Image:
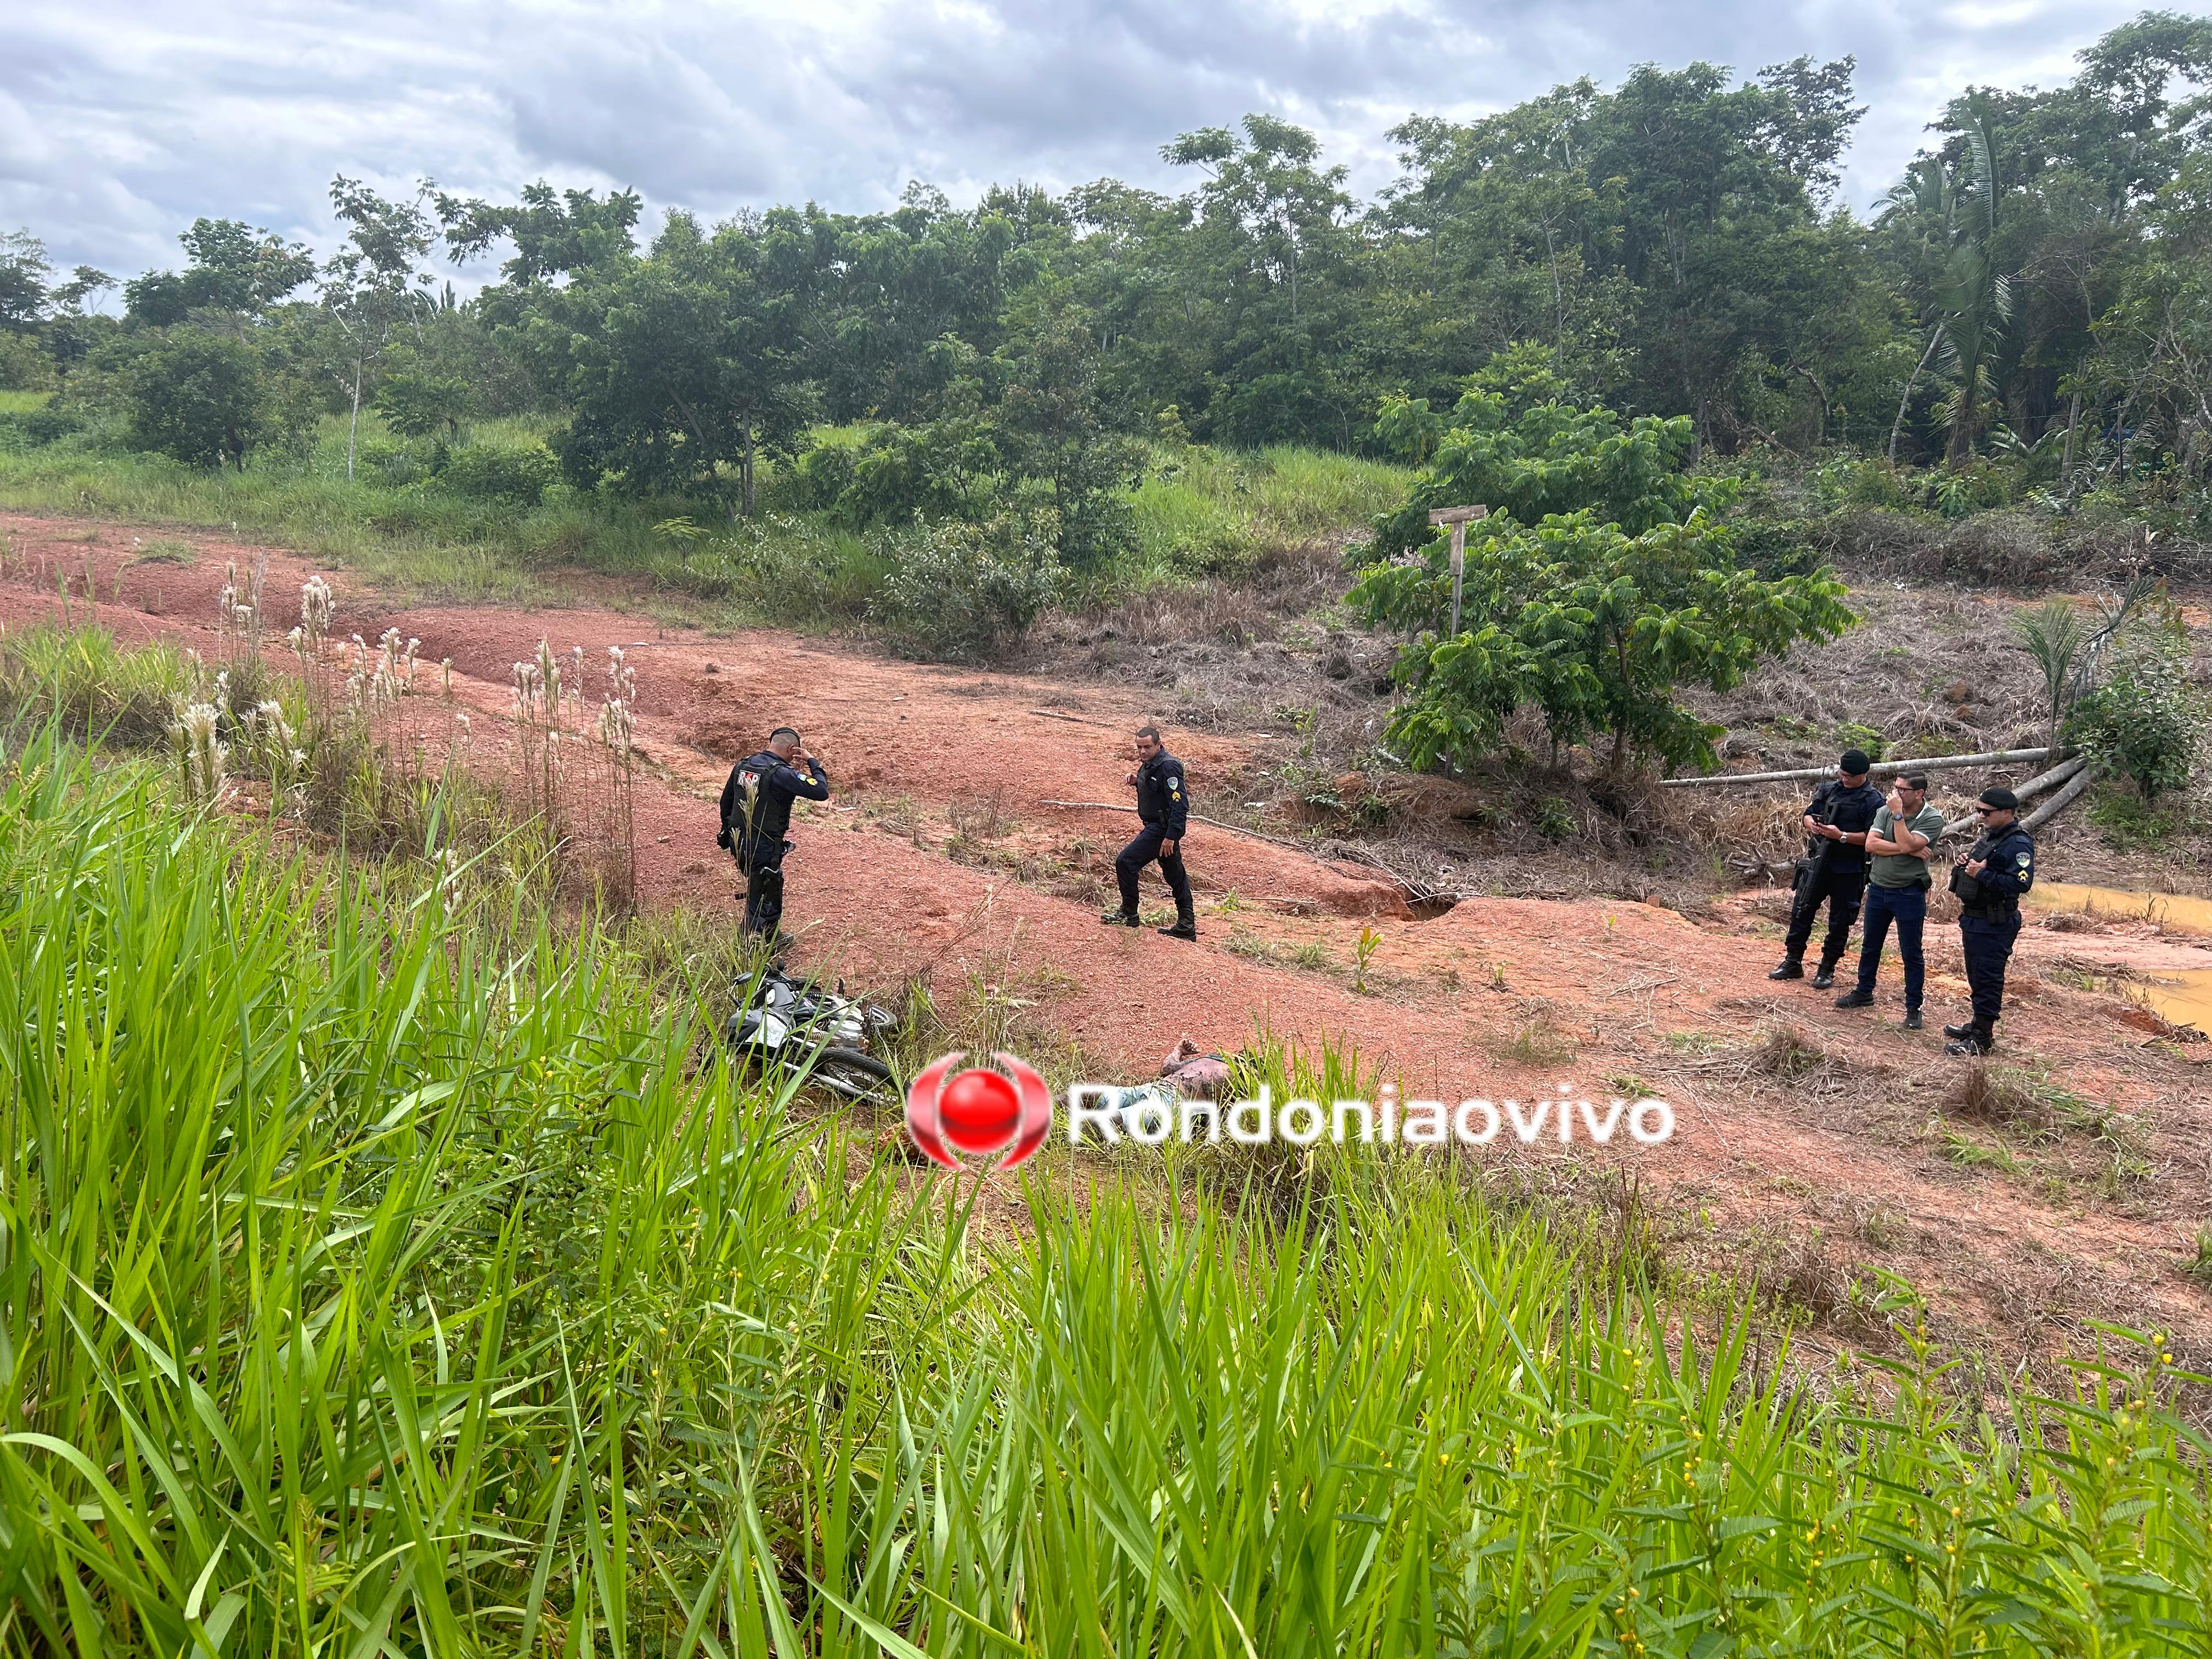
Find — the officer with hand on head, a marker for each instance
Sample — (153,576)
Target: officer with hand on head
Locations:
(1834,869)
(1163,808)
(755,812)
(1998,869)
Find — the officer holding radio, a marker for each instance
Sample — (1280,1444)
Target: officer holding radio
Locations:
(1988,882)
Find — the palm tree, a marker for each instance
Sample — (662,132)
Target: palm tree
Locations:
(1950,217)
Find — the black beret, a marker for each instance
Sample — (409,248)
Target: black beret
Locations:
(1855,762)
(2000,797)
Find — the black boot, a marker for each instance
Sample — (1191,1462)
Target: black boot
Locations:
(1964,1027)
(1825,975)
(1790,969)
(1186,925)
(1120,918)
(1856,998)
(1911,1019)
(1980,1040)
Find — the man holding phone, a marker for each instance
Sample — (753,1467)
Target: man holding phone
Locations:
(755,812)
(1897,845)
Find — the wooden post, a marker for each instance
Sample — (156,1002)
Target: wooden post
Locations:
(1458,519)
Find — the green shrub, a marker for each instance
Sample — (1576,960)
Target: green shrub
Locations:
(519,475)
(2129,823)
(198,397)
(23,365)
(2143,723)
(1773,548)
(34,428)
(419,404)
(1853,735)
(1859,481)
(782,568)
(391,461)
(1555,819)
(966,590)
(822,474)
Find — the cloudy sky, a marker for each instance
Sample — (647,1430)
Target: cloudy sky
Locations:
(120,120)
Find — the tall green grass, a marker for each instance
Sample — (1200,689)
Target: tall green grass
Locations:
(377,1279)
(1205,511)
(417,539)
(1199,511)
(22,403)
(80,678)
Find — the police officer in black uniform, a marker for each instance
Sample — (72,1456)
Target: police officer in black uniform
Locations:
(1163,807)
(755,812)
(1998,869)
(1834,868)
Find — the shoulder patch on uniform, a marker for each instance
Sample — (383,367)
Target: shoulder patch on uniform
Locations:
(2023,859)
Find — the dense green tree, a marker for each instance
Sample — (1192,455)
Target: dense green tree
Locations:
(234,268)
(1054,429)
(1591,625)
(894,285)
(1550,458)
(1602,581)
(1669,239)
(1267,273)
(418,403)
(686,361)
(23,273)
(1947,220)
(198,396)
(551,235)
(1022,436)
(2064,178)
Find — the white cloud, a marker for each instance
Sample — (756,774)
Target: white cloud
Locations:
(122,120)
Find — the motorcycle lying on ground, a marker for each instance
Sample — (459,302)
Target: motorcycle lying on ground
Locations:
(797,1026)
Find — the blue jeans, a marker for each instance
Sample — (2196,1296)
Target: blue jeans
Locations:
(1908,907)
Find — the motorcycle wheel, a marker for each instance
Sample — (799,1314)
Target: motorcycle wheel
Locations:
(849,1073)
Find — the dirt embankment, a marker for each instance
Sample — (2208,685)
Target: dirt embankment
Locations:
(1820,1140)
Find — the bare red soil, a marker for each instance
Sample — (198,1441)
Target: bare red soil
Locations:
(1843,1130)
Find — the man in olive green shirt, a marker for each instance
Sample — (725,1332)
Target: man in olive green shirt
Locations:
(1897,890)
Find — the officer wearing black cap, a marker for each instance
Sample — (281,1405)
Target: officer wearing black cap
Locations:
(1998,869)
(1834,869)
(757,810)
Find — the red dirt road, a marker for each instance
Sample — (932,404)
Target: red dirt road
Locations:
(1496,998)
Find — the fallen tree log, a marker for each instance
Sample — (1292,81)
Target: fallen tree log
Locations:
(1880,769)
(2034,786)
(2059,802)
